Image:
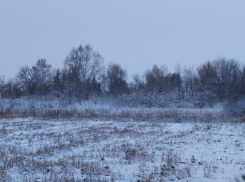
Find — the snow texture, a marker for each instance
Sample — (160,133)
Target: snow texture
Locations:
(100,150)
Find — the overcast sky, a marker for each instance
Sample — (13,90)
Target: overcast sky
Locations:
(134,33)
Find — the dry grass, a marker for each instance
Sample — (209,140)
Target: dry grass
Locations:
(173,115)
(84,150)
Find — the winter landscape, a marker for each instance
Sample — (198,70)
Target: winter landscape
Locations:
(89,123)
(142,145)
(159,97)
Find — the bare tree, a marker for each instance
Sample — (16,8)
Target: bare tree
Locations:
(242,82)
(138,83)
(228,76)
(116,77)
(83,67)
(2,89)
(179,73)
(207,85)
(189,82)
(57,82)
(43,77)
(35,80)
(25,79)
(157,79)
(86,62)
(12,90)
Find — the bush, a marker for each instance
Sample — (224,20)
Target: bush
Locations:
(235,107)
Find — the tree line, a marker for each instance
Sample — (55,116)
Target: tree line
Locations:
(84,75)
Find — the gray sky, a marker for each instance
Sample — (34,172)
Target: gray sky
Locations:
(134,33)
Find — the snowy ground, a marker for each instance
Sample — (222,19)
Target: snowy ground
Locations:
(90,150)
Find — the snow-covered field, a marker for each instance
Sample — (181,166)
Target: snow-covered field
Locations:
(112,150)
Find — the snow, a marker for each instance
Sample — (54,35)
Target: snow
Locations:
(113,150)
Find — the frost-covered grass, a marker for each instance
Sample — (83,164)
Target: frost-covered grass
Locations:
(121,150)
(42,108)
